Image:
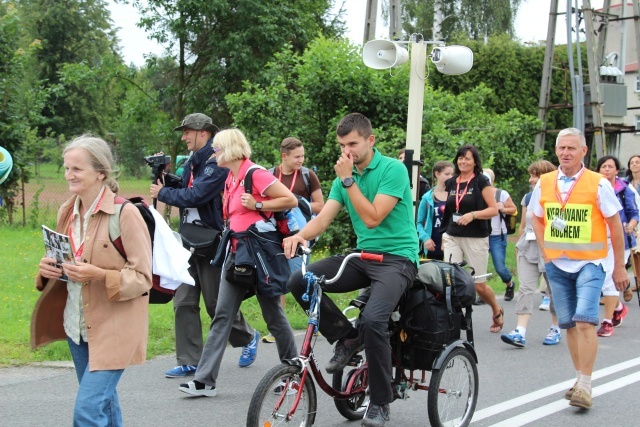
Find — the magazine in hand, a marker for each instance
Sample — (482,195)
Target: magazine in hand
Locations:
(58,246)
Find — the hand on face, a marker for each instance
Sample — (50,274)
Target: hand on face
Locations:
(344,166)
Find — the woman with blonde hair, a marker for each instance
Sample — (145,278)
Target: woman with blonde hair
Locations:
(248,213)
(530,268)
(102,311)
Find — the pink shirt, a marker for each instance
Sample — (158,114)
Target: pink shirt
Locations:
(240,218)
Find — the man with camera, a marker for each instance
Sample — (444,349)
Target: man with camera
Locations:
(198,196)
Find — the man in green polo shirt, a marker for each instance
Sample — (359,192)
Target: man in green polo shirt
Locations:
(375,191)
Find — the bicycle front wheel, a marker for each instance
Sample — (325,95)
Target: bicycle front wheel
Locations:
(453,390)
(273,399)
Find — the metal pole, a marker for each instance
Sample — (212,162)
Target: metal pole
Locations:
(370,18)
(415,108)
(594,82)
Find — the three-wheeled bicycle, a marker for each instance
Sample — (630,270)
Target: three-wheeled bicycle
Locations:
(286,395)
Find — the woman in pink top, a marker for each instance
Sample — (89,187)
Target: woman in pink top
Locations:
(247,214)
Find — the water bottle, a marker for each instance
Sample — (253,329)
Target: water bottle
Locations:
(292,222)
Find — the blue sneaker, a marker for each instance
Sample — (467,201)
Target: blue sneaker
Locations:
(249,352)
(181,371)
(514,338)
(553,337)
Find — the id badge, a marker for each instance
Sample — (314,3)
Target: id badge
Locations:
(456,217)
(559,224)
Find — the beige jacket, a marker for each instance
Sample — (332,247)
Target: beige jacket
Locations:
(116,310)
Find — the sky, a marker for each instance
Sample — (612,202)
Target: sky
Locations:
(531,25)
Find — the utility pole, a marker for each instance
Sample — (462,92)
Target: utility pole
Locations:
(395,20)
(370,19)
(545,86)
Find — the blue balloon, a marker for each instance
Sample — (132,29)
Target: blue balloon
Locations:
(6,164)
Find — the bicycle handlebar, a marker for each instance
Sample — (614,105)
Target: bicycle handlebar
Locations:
(365,256)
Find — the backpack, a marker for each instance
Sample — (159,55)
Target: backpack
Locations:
(509,220)
(305,177)
(288,222)
(157,294)
(441,277)
(426,327)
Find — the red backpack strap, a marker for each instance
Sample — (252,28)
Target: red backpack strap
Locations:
(114,225)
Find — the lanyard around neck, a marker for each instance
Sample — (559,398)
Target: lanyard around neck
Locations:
(458,196)
(293,181)
(564,202)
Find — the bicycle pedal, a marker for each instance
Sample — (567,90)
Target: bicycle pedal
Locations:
(356,360)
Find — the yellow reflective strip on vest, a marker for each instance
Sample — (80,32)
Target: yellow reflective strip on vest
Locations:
(564,246)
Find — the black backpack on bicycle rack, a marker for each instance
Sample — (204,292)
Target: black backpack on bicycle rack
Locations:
(432,316)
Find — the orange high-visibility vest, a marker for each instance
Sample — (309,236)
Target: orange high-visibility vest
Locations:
(585,235)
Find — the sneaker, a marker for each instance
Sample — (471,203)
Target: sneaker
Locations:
(627,294)
(570,392)
(553,337)
(545,305)
(196,388)
(344,350)
(181,371)
(249,351)
(270,339)
(509,292)
(514,338)
(581,399)
(376,415)
(478,301)
(606,329)
(292,389)
(618,316)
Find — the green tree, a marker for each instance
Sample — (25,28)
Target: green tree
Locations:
(73,32)
(308,93)
(475,19)
(220,43)
(21,98)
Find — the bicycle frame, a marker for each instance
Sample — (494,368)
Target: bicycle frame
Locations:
(307,359)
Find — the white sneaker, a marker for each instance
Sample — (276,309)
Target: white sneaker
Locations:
(545,305)
(292,389)
(196,388)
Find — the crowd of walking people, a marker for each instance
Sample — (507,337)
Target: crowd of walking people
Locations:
(576,234)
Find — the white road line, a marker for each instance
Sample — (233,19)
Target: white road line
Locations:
(557,406)
(547,391)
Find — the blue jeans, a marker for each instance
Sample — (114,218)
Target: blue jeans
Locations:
(498,251)
(97,400)
(576,296)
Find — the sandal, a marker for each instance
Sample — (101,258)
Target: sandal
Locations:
(497,326)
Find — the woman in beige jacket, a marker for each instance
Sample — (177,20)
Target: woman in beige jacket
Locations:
(102,311)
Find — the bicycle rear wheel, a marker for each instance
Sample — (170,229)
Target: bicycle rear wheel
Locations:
(453,390)
(275,395)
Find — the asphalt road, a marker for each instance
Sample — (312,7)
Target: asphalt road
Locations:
(517,386)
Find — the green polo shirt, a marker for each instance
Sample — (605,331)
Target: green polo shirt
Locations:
(396,234)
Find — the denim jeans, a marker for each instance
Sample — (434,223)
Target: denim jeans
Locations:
(576,296)
(97,400)
(498,250)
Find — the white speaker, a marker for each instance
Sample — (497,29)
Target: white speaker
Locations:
(452,60)
(383,54)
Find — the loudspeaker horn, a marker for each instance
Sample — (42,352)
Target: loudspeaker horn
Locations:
(383,54)
(452,60)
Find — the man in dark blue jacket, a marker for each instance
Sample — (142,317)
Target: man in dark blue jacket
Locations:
(199,199)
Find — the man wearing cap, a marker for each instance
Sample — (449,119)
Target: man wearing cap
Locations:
(199,199)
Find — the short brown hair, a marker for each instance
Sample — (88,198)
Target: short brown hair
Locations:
(541,167)
(355,122)
(289,144)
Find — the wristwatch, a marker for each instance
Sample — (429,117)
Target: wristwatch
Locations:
(258,206)
(348,182)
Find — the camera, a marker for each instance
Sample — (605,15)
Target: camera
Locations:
(158,164)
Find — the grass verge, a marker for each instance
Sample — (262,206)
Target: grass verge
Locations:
(22,248)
